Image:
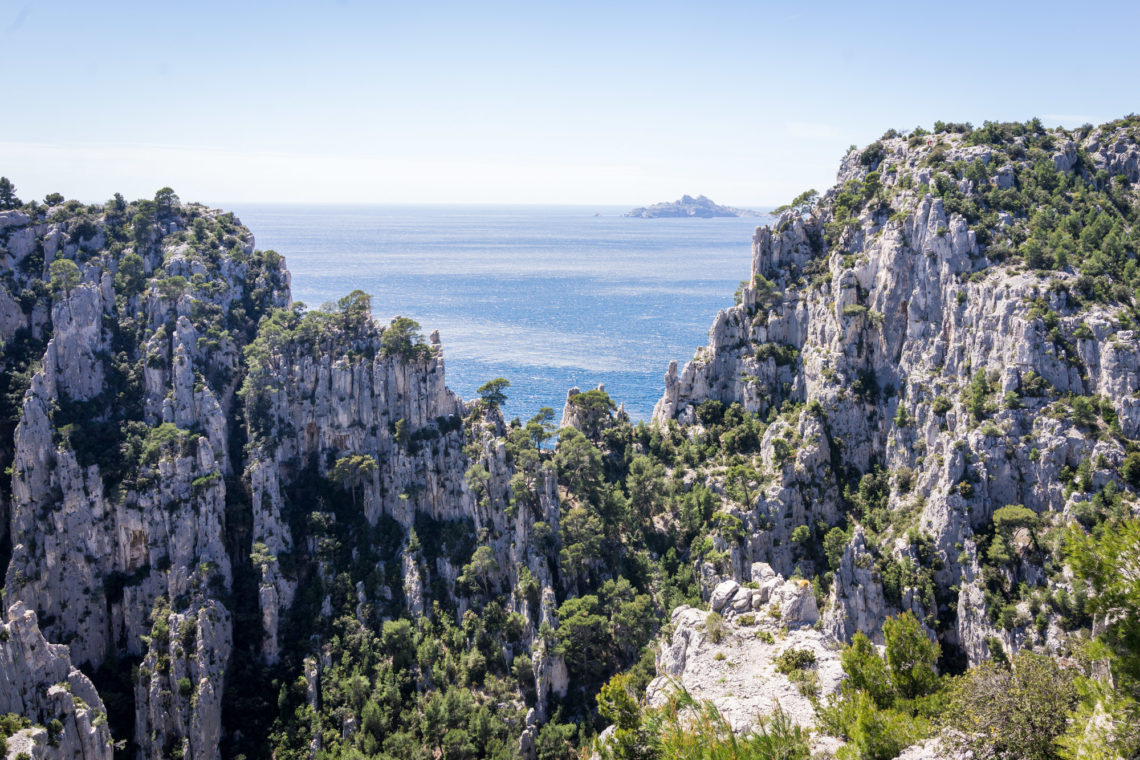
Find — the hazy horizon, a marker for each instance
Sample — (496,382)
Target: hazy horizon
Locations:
(749,103)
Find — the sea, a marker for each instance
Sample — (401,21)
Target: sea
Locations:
(548,297)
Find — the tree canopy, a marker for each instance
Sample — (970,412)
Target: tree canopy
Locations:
(8,199)
(64,275)
(493,392)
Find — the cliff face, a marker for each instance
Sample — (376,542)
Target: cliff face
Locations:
(163,441)
(41,684)
(934,363)
(368,408)
(122,450)
(272,532)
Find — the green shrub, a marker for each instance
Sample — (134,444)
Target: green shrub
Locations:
(715,629)
(911,656)
(882,734)
(866,670)
(1012,713)
(794,659)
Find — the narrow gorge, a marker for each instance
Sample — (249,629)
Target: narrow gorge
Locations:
(233,526)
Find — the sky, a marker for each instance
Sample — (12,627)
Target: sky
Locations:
(607,103)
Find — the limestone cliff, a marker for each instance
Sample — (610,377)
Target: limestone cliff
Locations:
(176,425)
(929,373)
(122,450)
(40,684)
(267,531)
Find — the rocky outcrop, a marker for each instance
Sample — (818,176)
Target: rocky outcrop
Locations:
(217,486)
(40,684)
(122,449)
(181,680)
(856,604)
(880,309)
(407,454)
(728,655)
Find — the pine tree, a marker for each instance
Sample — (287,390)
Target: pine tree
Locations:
(8,199)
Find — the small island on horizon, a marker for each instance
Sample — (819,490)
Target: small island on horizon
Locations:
(700,206)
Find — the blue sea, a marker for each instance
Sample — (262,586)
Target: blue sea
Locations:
(549,297)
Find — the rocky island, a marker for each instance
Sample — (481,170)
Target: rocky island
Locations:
(891,508)
(700,207)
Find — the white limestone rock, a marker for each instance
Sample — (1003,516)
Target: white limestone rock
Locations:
(40,683)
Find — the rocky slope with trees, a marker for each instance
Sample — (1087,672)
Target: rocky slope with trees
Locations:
(897,487)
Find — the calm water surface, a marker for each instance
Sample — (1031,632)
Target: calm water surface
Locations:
(547,297)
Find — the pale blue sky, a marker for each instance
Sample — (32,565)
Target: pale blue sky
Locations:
(582,102)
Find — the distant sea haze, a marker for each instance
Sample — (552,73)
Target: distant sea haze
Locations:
(549,297)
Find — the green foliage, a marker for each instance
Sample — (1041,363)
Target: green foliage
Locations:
(801,204)
(1106,560)
(8,199)
(493,392)
(401,338)
(977,396)
(579,463)
(715,629)
(742,484)
(173,288)
(1009,518)
(684,728)
(1130,469)
(11,723)
(166,440)
(1105,726)
(782,354)
(64,276)
(618,705)
(352,471)
(873,154)
(597,632)
(794,659)
(886,703)
(130,279)
(834,544)
(593,408)
(166,203)
(911,656)
(1012,713)
(866,671)
(481,567)
(876,734)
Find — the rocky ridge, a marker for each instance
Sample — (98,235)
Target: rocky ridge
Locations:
(295,539)
(731,661)
(167,443)
(925,361)
(121,454)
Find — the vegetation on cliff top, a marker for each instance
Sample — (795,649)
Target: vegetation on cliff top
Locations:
(643,510)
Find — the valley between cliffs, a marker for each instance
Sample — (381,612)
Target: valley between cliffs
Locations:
(234,527)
